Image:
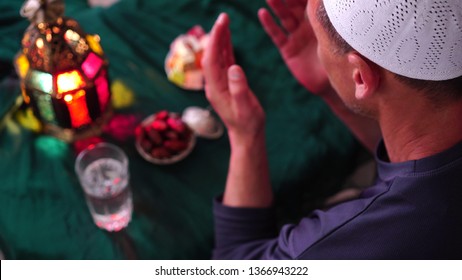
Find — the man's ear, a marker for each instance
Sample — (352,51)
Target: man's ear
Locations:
(365,75)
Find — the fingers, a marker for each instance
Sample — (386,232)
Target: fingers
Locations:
(270,26)
(218,56)
(283,11)
(298,8)
(224,47)
(228,52)
(243,102)
(296,3)
(237,83)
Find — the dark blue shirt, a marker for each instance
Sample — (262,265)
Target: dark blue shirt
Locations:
(414,211)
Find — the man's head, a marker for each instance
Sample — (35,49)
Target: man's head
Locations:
(419,41)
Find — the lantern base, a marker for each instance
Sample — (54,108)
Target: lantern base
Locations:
(71,135)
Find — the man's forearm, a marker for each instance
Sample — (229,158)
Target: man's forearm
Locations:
(248,182)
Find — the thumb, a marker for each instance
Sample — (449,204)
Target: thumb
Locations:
(237,83)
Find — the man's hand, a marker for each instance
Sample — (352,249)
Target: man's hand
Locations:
(247,184)
(296,42)
(227,89)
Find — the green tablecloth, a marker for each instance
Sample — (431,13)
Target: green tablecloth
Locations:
(43,214)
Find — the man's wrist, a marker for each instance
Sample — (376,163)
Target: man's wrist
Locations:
(247,141)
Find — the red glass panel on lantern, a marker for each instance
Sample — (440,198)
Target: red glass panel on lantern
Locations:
(91,65)
(77,105)
(68,81)
(102,87)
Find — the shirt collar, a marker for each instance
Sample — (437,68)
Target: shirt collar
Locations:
(388,170)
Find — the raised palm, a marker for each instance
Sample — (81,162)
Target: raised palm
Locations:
(226,86)
(296,42)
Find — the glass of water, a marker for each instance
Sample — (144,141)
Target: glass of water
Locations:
(103,173)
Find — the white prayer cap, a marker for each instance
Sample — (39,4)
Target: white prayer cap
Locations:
(420,39)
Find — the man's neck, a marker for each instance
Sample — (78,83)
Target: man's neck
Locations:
(421,131)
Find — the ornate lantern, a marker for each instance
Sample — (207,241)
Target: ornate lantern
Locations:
(63,73)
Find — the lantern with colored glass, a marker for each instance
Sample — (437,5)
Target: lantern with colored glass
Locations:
(63,73)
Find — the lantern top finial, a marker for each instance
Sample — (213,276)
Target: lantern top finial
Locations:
(38,11)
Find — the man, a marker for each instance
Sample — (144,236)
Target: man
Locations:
(398,64)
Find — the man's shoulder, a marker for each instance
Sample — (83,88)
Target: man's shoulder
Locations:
(407,217)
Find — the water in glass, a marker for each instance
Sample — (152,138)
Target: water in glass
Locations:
(108,195)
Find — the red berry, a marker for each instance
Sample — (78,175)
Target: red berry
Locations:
(154,136)
(175,145)
(172,135)
(159,125)
(146,145)
(161,115)
(176,124)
